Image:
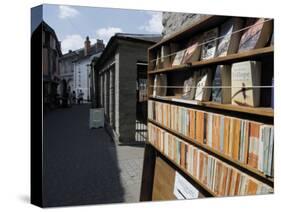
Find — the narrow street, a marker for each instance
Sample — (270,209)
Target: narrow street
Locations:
(84,166)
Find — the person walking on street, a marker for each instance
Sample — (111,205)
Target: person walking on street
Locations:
(80,97)
(73,96)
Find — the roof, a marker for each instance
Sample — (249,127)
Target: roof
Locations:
(140,38)
(79,53)
(143,37)
(91,56)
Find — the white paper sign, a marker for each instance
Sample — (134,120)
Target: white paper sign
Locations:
(183,189)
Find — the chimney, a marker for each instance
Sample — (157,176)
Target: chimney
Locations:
(87,45)
(99,45)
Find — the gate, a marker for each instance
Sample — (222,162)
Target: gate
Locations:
(141,102)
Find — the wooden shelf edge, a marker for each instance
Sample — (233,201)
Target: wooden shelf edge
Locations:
(261,111)
(219,60)
(214,152)
(186,172)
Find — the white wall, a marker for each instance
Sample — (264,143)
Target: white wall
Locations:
(81,77)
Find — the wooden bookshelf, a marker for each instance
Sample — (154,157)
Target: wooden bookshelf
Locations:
(253,55)
(175,78)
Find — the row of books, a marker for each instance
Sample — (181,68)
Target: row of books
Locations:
(248,142)
(217,42)
(237,84)
(217,176)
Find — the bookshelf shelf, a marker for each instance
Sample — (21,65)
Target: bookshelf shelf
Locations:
(260,111)
(253,54)
(224,157)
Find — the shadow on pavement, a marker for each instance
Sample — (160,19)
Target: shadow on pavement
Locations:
(80,165)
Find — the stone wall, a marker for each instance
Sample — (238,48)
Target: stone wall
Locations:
(173,22)
(118,89)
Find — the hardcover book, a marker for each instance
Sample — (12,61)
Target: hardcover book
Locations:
(257,36)
(160,85)
(245,79)
(229,37)
(193,50)
(165,58)
(189,86)
(178,58)
(221,91)
(205,80)
(210,42)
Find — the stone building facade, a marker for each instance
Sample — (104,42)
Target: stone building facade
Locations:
(173,22)
(116,73)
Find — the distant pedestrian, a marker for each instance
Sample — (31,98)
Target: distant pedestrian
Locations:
(80,97)
(73,96)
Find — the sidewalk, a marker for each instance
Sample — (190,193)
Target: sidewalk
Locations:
(84,166)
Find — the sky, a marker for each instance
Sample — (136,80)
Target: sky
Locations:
(73,23)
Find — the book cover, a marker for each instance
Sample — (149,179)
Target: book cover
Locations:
(257,36)
(209,129)
(165,58)
(192,124)
(218,177)
(221,133)
(229,41)
(221,92)
(231,138)
(253,144)
(262,143)
(178,58)
(246,143)
(189,86)
(158,63)
(236,139)
(193,50)
(209,47)
(216,132)
(205,80)
(245,76)
(182,153)
(205,170)
(226,134)
(270,167)
(201,166)
(242,141)
(160,85)
(199,126)
(217,83)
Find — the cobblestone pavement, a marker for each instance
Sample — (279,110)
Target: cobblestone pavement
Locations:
(84,166)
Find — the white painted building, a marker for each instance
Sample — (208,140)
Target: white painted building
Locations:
(76,68)
(81,76)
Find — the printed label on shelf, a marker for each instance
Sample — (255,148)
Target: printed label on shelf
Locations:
(184,189)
